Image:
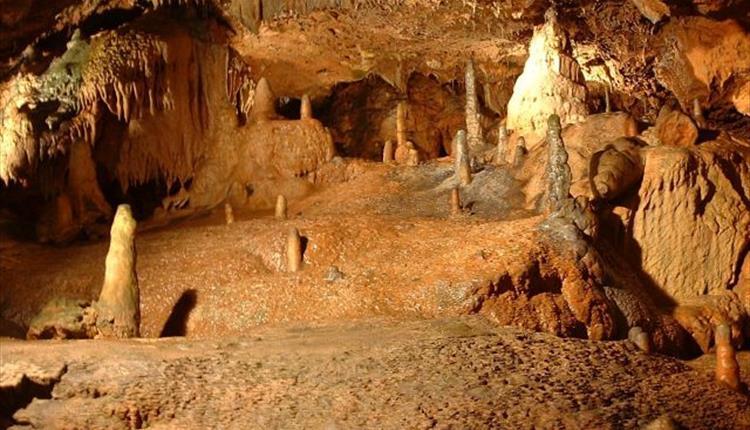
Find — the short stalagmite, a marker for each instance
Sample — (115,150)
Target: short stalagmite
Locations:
(305,111)
(118,307)
(264,107)
(640,338)
(401,124)
(727,368)
(607,103)
(293,251)
(412,158)
(228,213)
(461,158)
(455,201)
(520,153)
(281,210)
(698,117)
(388,151)
(502,144)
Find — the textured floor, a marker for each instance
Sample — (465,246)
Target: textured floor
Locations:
(456,373)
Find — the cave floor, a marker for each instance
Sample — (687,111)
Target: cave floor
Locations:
(382,242)
(443,373)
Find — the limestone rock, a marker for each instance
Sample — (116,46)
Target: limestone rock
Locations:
(615,169)
(119,307)
(551,83)
(63,319)
(691,221)
(674,128)
(700,316)
(653,10)
(582,140)
(705,59)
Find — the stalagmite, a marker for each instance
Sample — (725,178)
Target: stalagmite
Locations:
(305,111)
(280,212)
(640,339)
(388,151)
(727,368)
(462,167)
(401,125)
(502,144)
(412,158)
(264,107)
(700,120)
(229,213)
(455,201)
(607,106)
(118,307)
(473,129)
(520,152)
(558,171)
(293,250)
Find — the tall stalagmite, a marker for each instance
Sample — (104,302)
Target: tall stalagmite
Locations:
(474,136)
(118,308)
(558,171)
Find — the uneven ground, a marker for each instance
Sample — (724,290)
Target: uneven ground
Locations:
(455,373)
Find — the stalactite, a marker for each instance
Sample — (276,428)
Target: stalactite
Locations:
(240,85)
(121,68)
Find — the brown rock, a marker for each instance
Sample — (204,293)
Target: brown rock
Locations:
(700,315)
(705,59)
(674,128)
(654,10)
(690,226)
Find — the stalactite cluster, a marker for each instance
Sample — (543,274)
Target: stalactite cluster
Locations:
(240,86)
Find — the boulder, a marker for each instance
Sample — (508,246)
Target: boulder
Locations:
(674,128)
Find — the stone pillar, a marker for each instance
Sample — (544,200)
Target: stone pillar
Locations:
(461,159)
(727,368)
(388,151)
(558,172)
(502,144)
(281,210)
(473,129)
(118,308)
(401,124)
(305,111)
(293,251)
(228,213)
(607,105)
(455,201)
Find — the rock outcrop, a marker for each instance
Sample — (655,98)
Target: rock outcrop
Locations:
(705,59)
(551,83)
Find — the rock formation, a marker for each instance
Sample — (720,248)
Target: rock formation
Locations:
(293,251)
(280,211)
(118,312)
(558,172)
(474,135)
(462,168)
(551,83)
